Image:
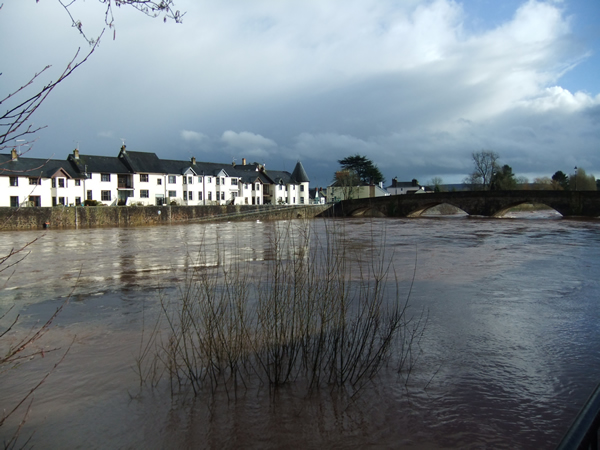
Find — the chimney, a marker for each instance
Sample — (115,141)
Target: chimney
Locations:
(76,153)
(243,161)
(193,160)
(123,148)
(13,154)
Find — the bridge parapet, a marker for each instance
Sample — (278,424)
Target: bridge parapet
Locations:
(479,203)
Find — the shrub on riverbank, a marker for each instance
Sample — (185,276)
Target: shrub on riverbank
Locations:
(316,312)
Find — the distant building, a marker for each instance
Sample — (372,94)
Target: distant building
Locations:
(405,187)
(341,190)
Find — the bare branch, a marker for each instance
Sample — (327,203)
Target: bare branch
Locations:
(13,123)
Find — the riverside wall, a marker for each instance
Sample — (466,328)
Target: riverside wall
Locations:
(131,216)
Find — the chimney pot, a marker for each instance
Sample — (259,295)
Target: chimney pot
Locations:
(76,154)
(243,161)
(13,154)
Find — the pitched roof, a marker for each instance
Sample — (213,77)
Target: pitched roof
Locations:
(95,164)
(140,162)
(299,174)
(34,167)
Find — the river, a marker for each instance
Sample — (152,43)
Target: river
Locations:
(509,353)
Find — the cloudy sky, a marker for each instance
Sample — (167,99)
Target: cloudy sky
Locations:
(415,85)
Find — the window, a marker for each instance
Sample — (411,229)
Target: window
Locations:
(190,195)
(53,201)
(223,181)
(218,181)
(190,180)
(77,201)
(280,187)
(35,181)
(184,179)
(301,188)
(257,187)
(61,182)
(209,179)
(144,193)
(246,186)
(172,193)
(89,195)
(105,177)
(89,176)
(172,179)
(35,200)
(210,195)
(14,181)
(199,179)
(222,195)
(105,196)
(302,200)
(200,195)
(294,200)
(14,201)
(144,177)
(246,200)
(234,181)
(61,201)
(293,187)
(53,182)
(159,181)
(77,182)
(184,194)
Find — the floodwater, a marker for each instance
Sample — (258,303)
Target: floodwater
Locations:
(510,350)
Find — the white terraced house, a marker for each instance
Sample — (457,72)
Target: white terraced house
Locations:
(142,178)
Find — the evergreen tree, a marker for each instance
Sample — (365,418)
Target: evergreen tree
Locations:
(363,167)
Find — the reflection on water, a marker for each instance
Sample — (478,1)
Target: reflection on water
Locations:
(509,355)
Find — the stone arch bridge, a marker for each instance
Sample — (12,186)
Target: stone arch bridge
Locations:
(479,203)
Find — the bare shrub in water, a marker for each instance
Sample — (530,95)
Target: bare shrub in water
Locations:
(318,313)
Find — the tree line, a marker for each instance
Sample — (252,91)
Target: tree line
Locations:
(488,174)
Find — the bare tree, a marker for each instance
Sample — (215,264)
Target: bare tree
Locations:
(22,102)
(436,184)
(17,109)
(486,165)
(581,181)
(347,182)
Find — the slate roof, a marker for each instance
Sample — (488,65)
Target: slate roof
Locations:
(299,174)
(249,173)
(175,166)
(95,164)
(402,184)
(146,162)
(34,167)
(142,162)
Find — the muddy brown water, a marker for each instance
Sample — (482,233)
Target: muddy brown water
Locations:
(510,352)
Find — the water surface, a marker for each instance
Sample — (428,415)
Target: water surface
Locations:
(509,354)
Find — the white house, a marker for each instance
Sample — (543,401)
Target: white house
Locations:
(142,178)
(405,187)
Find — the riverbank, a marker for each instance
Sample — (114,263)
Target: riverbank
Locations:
(132,216)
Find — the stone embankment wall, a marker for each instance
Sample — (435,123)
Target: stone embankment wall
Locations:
(110,216)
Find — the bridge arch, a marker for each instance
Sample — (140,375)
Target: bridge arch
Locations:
(503,211)
(481,203)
